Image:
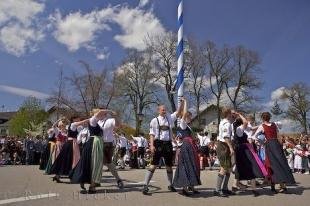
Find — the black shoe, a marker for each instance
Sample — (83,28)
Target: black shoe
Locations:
(228,192)
(145,190)
(171,188)
(185,193)
(56,179)
(120,184)
(255,193)
(92,191)
(219,194)
(82,186)
(273,189)
(196,192)
(83,191)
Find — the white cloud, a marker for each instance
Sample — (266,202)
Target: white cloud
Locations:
(276,94)
(136,25)
(143,3)
(19,32)
(22,11)
(76,30)
(17,39)
(287,125)
(23,92)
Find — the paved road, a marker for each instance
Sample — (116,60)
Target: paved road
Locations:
(27,181)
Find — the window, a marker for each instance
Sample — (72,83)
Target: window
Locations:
(2,131)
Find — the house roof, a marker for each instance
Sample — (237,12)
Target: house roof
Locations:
(209,108)
(6,116)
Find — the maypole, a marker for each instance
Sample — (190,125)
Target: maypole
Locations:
(180,53)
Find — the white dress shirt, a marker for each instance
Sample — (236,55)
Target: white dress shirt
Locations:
(204,140)
(225,130)
(141,141)
(83,136)
(107,126)
(122,142)
(168,120)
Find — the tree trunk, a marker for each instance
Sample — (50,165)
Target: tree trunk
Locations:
(197,111)
(218,114)
(138,125)
(172,103)
(305,125)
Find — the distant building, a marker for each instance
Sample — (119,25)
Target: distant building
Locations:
(5,117)
(206,120)
(55,113)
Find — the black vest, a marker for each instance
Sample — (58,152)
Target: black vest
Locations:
(71,133)
(184,132)
(239,140)
(95,131)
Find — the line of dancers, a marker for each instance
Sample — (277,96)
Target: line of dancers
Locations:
(65,156)
(83,165)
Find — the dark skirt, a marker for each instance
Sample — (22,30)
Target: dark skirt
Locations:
(63,162)
(248,165)
(82,172)
(276,163)
(45,156)
(223,154)
(187,172)
(204,150)
(52,150)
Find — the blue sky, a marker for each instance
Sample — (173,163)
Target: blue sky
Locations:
(36,37)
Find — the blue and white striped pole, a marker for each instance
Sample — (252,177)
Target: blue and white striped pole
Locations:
(180,53)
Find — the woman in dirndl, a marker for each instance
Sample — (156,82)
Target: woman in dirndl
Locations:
(89,168)
(248,164)
(69,154)
(48,150)
(276,164)
(187,174)
(60,133)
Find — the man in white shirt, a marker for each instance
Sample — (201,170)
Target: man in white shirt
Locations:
(142,144)
(122,143)
(108,124)
(224,152)
(160,144)
(204,140)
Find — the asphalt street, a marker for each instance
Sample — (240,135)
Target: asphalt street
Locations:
(27,185)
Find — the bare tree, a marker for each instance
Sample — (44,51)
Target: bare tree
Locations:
(84,91)
(298,97)
(198,75)
(164,50)
(136,81)
(60,89)
(218,63)
(244,78)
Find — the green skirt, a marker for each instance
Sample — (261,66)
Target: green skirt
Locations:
(97,159)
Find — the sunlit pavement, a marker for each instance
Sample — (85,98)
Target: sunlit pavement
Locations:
(27,185)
